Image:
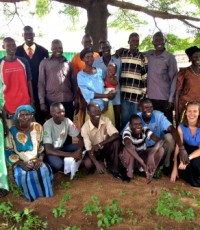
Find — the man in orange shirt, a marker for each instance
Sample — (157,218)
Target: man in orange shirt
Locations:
(79,65)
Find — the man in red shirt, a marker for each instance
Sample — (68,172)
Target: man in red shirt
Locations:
(15,76)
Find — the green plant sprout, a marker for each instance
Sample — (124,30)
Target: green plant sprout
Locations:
(72,228)
(130,214)
(172,207)
(65,185)
(16,190)
(111,215)
(92,207)
(61,210)
(24,218)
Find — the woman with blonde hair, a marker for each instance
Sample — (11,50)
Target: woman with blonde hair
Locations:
(189,131)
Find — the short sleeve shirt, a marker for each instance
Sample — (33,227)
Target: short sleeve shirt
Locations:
(137,141)
(158,125)
(56,134)
(92,135)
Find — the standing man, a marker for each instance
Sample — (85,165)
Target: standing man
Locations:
(102,62)
(56,81)
(79,65)
(15,75)
(133,78)
(34,54)
(161,76)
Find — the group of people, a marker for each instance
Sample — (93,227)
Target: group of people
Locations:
(123,105)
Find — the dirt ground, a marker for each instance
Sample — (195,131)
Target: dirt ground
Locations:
(137,197)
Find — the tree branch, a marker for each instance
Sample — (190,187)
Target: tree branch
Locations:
(153,13)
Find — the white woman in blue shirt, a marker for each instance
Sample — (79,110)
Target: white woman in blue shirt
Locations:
(189,131)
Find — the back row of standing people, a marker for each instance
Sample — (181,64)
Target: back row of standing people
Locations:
(136,78)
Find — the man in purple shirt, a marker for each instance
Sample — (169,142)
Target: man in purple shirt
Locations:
(161,76)
(56,82)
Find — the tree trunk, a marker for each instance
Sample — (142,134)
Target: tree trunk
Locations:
(96,26)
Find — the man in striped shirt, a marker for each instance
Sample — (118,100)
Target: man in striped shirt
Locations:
(135,153)
(133,78)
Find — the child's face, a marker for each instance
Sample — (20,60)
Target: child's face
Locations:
(111,70)
(136,126)
(10,47)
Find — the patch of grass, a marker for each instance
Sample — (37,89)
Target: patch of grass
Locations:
(65,185)
(16,190)
(172,207)
(92,207)
(122,193)
(131,214)
(23,219)
(158,173)
(111,215)
(79,175)
(72,228)
(183,192)
(61,210)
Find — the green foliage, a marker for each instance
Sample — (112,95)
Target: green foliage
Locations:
(25,218)
(65,185)
(42,7)
(72,228)
(172,207)
(130,213)
(183,192)
(72,13)
(111,215)
(122,193)
(5,208)
(61,210)
(16,190)
(126,20)
(173,43)
(158,173)
(93,207)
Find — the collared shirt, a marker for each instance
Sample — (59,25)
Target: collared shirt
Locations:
(90,84)
(99,63)
(56,82)
(26,48)
(158,125)
(92,135)
(56,134)
(78,64)
(161,76)
(133,75)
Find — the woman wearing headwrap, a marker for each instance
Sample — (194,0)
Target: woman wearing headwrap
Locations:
(91,84)
(188,82)
(26,156)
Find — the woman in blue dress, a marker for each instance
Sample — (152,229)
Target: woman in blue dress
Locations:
(189,131)
(25,154)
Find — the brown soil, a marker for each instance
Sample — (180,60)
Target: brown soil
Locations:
(136,196)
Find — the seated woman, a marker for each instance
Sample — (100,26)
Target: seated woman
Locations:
(189,131)
(90,82)
(25,154)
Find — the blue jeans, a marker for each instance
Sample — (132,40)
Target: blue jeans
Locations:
(127,109)
(56,162)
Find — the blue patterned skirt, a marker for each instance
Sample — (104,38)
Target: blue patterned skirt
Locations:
(34,183)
